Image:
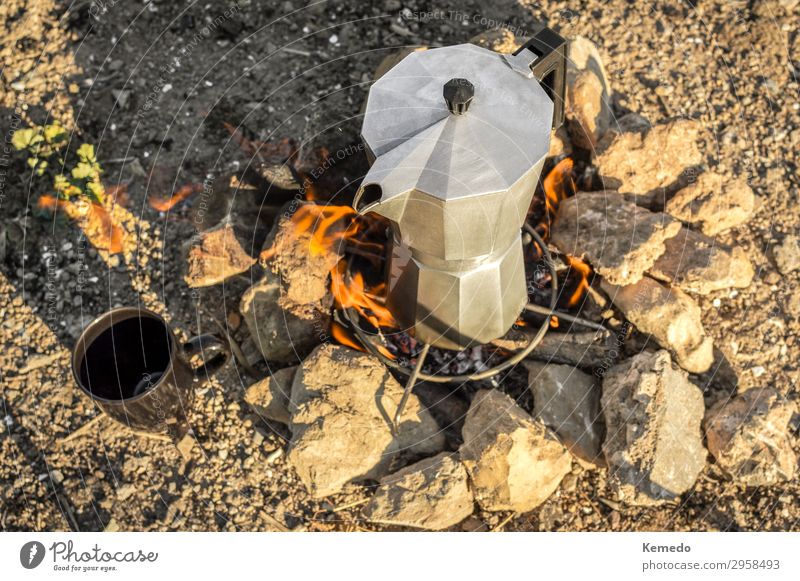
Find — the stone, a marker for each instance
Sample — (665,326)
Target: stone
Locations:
(654,445)
(568,402)
(514,462)
(343,404)
(749,437)
(578,349)
(671,316)
(499,40)
(293,252)
(587,111)
(633,123)
(560,145)
(713,203)
(787,255)
(432,494)
(280,334)
(269,397)
(644,163)
(215,255)
(698,264)
(447,405)
(618,238)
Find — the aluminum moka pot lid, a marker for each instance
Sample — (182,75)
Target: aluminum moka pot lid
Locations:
(455,122)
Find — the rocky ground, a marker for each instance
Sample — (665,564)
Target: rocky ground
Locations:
(151,86)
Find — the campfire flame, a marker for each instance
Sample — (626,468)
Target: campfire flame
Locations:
(330,229)
(582,270)
(558,185)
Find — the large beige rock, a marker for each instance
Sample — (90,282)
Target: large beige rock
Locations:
(270,397)
(749,437)
(653,445)
(698,264)
(588,93)
(514,462)
(215,255)
(280,334)
(618,238)
(671,316)
(432,494)
(342,406)
(714,203)
(568,402)
(643,163)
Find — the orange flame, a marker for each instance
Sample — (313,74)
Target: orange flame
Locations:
(344,337)
(558,185)
(354,294)
(328,227)
(583,271)
(165,204)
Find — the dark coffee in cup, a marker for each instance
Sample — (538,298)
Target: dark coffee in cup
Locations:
(131,364)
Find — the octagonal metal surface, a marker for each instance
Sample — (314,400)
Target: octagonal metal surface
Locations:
(504,133)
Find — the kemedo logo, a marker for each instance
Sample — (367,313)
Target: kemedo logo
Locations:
(31,554)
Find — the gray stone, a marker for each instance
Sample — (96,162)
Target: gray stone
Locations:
(671,316)
(749,437)
(643,163)
(342,406)
(617,237)
(282,335)
(653,447)
(787,255)
(269,397)
(698,264)
(514,462)
(579,349)
(713,203)
(568,402)
(432,494)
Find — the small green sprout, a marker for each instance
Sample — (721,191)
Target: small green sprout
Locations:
(41,143)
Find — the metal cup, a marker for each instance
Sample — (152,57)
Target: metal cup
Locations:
(130,363)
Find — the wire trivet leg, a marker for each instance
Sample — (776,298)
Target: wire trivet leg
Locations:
(412,379)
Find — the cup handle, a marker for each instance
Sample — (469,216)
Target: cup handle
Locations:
(214,352)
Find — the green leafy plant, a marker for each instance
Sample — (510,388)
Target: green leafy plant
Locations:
(42,143)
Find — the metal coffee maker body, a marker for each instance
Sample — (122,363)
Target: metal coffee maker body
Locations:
(457,137)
